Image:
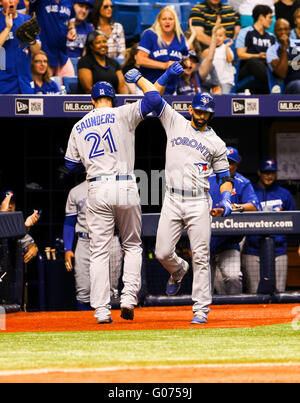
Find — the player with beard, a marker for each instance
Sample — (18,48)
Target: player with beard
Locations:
(193,153)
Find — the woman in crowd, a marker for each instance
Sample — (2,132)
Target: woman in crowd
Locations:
(41,74)
(97,66)
(114,31)
(160,46)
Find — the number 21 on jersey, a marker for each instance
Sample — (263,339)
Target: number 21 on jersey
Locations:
(96,151)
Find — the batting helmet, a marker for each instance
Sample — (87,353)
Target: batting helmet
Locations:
(204,102)
(268,164)
(233,154)
(103,89)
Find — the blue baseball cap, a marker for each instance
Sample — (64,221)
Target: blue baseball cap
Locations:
(233,154)
(268,164)
(204,102)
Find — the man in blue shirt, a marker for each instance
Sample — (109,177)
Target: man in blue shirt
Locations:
(283,57)
(225,251)
(272,197)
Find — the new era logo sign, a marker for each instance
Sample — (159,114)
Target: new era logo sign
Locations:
(22,106)
(238,106)
(29,106)
(249,106)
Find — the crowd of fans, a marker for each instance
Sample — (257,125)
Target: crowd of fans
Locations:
(227,42)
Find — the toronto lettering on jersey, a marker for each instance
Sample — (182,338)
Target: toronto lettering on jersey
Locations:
(185,141)
(95,121)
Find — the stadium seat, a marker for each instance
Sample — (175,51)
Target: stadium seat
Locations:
(71,84)
(57,80)
(276,84)
(128,14)
(74,61)
(148,14)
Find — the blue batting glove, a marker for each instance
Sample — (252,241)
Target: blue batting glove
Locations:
(226,203)
(175,70)
(132,76)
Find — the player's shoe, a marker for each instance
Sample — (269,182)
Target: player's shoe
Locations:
(127,313)
(105,321)
(198,320)
(173,286)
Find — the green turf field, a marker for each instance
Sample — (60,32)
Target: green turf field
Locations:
(277,343)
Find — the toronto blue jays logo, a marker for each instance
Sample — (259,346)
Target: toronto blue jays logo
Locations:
(201,166)
(205,100)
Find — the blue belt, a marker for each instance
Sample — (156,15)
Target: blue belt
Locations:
(83,235)
(187,193)
(117,178)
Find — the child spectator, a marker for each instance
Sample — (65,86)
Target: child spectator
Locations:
(223,60)
(295,33)
(97,66)
(193,80)
(204,17)
(114,31)
(82,8)
(15,57)
(41,74)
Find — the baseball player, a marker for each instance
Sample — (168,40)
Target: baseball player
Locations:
(272,197)
(225,251)
(75,223)
(193,153)
(103,141)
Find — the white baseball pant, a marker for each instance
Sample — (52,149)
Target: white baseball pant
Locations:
(190,213)
(114,203)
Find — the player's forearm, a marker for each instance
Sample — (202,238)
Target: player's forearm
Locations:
(248,206)
(145,85)
(226,187)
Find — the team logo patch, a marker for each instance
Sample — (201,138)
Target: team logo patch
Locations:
(233,192)
(202,167)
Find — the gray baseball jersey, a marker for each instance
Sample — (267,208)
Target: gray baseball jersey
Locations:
(76,205)
(191,156)
(107,133)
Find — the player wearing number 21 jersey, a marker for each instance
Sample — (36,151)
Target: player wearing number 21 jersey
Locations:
(103,141)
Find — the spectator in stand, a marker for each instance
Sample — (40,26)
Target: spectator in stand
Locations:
(252,44)
(130,63)
(223,59)
(114,31)
(295,33)
(283,57)
(204,17)
(161,46)
(15,58)
(41,74)
(285,9)
(57,22)
(82,9)
(272,197)
(97,66)
(23,7)
(245,10)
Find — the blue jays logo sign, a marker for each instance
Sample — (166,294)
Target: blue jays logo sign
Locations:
(202,167)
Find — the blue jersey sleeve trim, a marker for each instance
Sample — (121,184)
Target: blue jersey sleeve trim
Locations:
(69,232)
